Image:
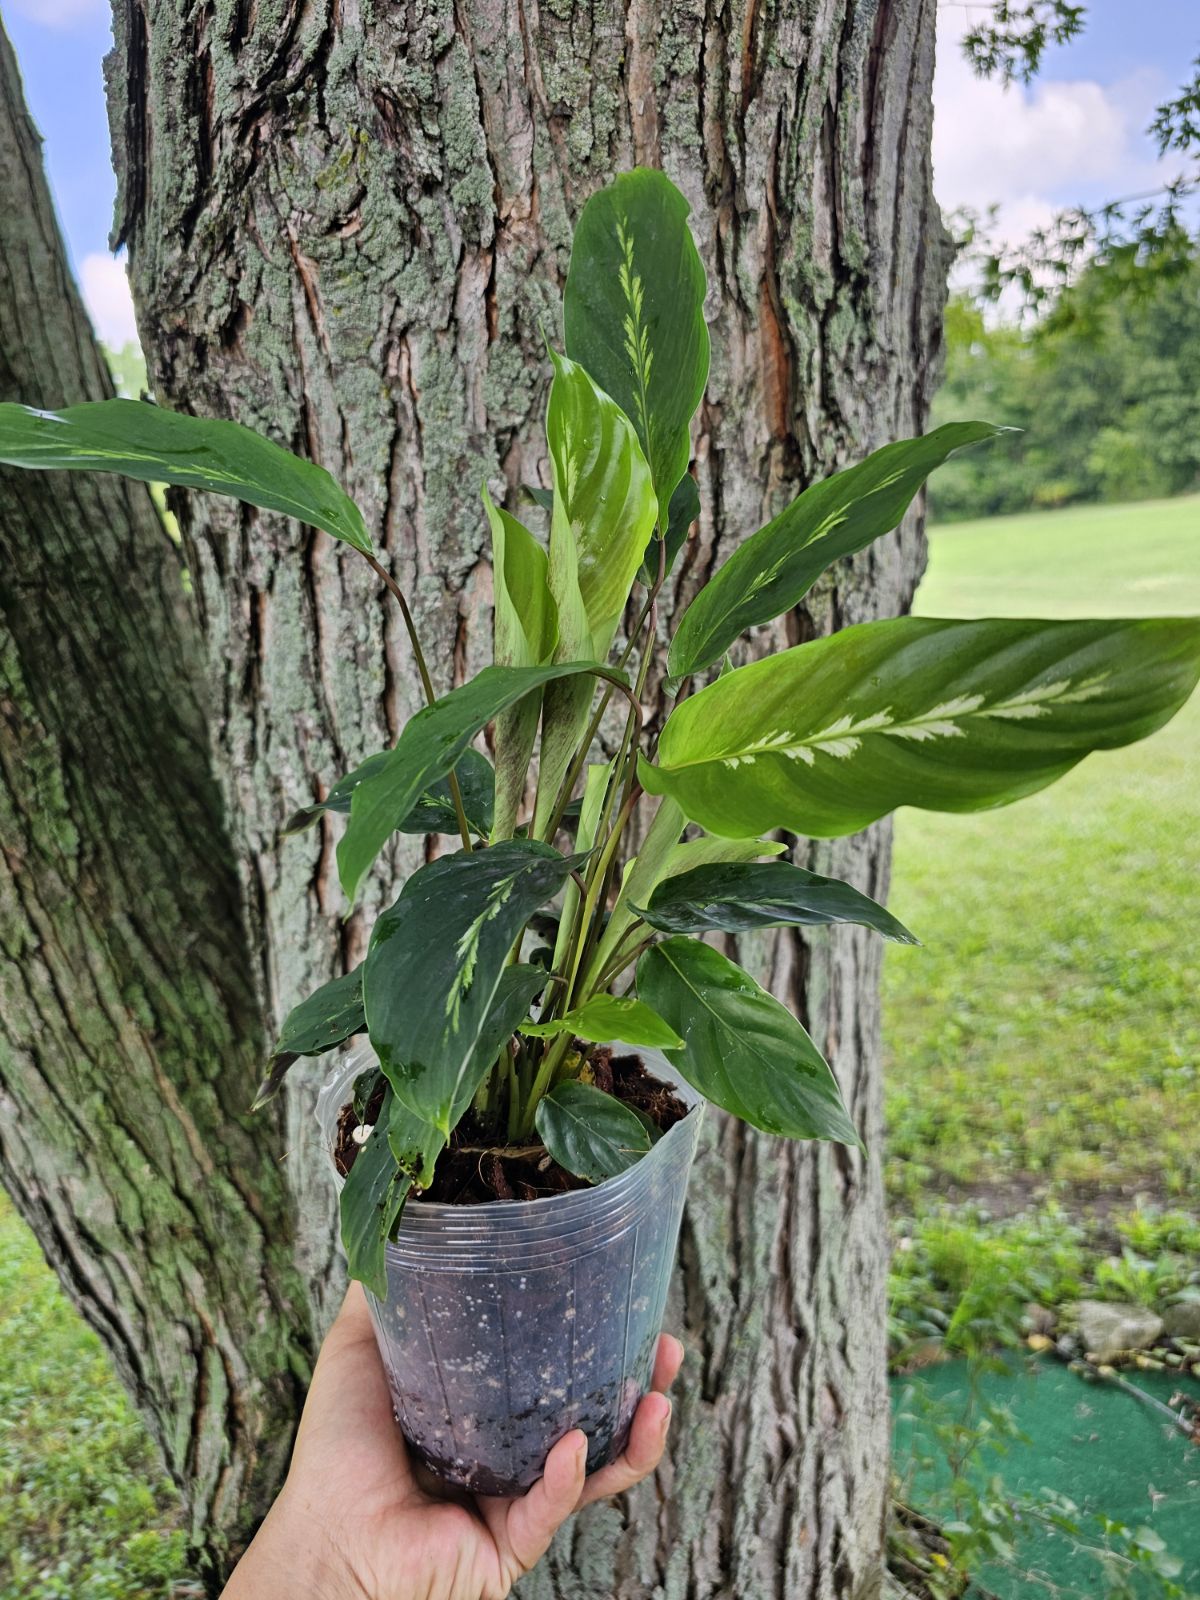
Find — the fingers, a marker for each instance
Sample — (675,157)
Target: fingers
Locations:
(667,1363)
(647,1440)
(533,1521)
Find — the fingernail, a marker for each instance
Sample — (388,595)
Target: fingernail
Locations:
(666,1421)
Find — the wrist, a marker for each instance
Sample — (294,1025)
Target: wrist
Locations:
(291,1558)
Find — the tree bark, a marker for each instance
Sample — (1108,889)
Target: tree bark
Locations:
(347,222)
(129,1032)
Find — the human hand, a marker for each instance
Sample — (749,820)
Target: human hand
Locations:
(358,1520)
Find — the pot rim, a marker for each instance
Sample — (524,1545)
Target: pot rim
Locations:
(469,1226)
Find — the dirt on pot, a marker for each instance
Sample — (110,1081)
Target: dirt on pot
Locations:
(472,1171)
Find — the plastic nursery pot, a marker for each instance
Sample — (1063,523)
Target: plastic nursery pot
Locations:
(508,1324)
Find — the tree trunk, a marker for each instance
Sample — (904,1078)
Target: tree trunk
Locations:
(347,221)
(129,1032)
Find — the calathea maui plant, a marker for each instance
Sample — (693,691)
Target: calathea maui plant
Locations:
(530,937)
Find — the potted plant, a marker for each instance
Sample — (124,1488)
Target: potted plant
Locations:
(543,1016)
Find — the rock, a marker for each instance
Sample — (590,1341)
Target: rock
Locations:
(1040,1319)
(1182,1321)
(1107,1329)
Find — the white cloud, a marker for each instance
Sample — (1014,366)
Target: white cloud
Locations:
(58,13)
(105,289)
(1031,150)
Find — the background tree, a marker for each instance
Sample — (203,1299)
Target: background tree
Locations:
(1105,384)
(345,226)
(129,1027)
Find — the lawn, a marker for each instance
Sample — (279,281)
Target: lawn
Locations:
(1043,1059)
(84,1513)
(1046,1038)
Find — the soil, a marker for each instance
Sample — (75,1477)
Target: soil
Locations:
(472,1171)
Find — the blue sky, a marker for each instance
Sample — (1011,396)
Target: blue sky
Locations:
(1077,135)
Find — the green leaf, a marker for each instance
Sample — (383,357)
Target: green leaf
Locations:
(948,716)
(684,510)
(433,811)
(660,857)
(602,517)
(595,786)
(604,508)
(435,964)
(607,1018)
(590,1133)
(633,313)
(525,634)
(400,1152)
(742,1050)
(432,744)
(777,566)
(330,1015)
(733,897)
(510,1005)
(143,441)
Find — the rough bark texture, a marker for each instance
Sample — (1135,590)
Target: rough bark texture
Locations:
(129,1034)
(346,220)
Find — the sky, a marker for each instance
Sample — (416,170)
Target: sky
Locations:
(1075,136)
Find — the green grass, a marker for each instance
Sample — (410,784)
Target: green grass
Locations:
(84,1512)
(1046,1039)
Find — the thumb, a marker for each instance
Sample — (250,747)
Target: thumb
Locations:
(533,1520)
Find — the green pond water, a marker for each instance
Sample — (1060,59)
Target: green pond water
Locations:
(1107,1452)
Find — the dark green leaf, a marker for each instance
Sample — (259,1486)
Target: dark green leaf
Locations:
(156,446)
(431,745)
(633,312)
(515,992)
(330,1015)
(400,1149)
(609,1018)
(372,1199)
(948,716)
(435,963)
(685,509)
(434,810)
(732,897)
(775,568)
(539,496)
(742,1049)
(589,1132)
(270,1086)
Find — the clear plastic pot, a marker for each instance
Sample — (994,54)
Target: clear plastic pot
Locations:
(508,1324)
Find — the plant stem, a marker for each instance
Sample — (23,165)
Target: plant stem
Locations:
(563,799)
(414,640)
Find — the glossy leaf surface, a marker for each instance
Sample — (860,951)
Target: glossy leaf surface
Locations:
(435,963)
(590,1133)
(604,506)
(400,1151)
(633,313)
(432,743)
(606,1018)
(947,716)
(776,567)
(742,1049)
(525,632)
(732,897)
(144,441)
(330,1015)
(433,811)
